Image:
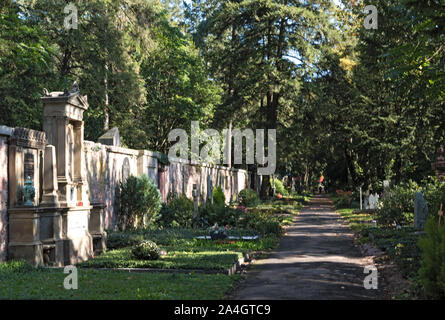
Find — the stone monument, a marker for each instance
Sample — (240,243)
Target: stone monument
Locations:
(25,157)
(420,211)
(64,128)
(373,201)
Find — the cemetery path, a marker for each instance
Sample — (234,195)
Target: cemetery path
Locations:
(316,260)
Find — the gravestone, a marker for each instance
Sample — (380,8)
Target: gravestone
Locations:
(210,189)
(420,211)
(195,201)
(373,201)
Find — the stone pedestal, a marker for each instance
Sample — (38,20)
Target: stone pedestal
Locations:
(51,236)
(96,228)
(24,235)
(77,241)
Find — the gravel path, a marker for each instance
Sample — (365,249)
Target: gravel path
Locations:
(316,260)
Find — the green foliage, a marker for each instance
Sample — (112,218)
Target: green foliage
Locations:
(398,205)
(342,199)
(16,266)
(146,250)
(218,196)
(139,202)
(262,222)
(26,67)
(279,187)
(433,190)
(248,198)
(177,212)
(432,271)
(209,214)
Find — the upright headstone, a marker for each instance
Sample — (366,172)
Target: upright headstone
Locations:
(195,200)
(373,201)
(210,189)
(420,211)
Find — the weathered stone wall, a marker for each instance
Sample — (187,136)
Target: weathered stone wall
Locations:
(107,165)
(4,135)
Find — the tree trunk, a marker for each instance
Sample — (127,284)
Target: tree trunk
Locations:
(106,109)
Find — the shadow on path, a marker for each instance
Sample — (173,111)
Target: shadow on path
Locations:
(316,260)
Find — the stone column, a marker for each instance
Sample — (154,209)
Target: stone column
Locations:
(50,186)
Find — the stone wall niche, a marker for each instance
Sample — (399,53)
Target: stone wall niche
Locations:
(25,154)
(64,127)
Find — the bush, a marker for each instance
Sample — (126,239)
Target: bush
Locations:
(433,191)
(248,198)
(261,222)
(209,214)
(177,212)
(146,250)
(432,270)
(139,202)
(397,206)
(279,187)
(218,196)
(344,199)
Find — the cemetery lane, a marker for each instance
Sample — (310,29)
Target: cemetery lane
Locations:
(317,259)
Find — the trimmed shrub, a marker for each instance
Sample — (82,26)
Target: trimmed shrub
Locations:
(146,250)
(218,196)
(139,202)
(248,198)
(432,270)
(177,212)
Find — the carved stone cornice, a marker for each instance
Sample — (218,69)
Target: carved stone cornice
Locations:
(28,138)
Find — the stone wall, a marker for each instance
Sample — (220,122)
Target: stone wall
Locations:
(108,165)
(5,132)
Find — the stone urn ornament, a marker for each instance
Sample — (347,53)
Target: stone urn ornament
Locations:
(29,192)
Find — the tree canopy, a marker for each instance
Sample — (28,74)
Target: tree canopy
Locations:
(354,104)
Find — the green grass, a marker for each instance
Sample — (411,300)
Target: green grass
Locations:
(118,285)
(187,259)
(357,220)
